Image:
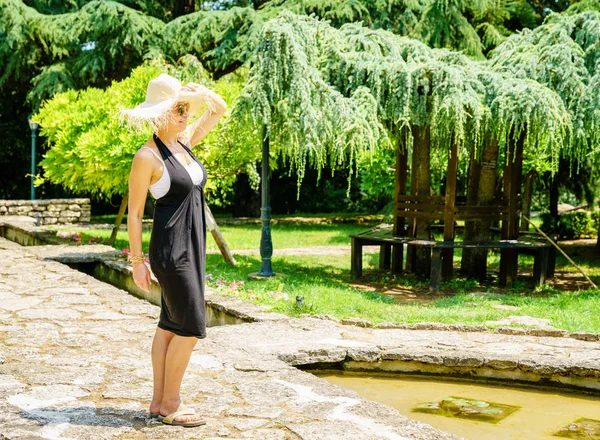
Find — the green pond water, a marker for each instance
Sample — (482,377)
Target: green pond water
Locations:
(477,411)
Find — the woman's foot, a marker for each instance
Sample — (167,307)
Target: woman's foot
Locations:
(154,409)
(179,415)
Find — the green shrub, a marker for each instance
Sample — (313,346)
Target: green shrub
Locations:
(571,225)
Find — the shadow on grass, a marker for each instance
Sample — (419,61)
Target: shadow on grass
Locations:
(338,233)
(298,275)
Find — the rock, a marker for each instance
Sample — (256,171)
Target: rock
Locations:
(389,325)
(365,354)
(547,332)
(468,409)
(47,396)
(205,362)
(521,320)
(581,429)
(462,360)
(314,356)
(356,321)
(50,313)
(15,302)
(584,336)
(511,331)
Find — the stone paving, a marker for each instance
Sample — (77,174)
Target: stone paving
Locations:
(75,364)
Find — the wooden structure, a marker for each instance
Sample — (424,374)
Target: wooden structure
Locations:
(415,212)
(388,242)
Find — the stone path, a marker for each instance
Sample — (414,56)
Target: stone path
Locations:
(74,364)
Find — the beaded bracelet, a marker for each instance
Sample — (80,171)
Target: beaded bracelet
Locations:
(137,258)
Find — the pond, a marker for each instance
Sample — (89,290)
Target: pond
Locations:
(480,411)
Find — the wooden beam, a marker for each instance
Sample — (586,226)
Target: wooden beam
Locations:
(212,226)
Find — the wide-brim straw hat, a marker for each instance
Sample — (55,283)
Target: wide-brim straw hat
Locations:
(162,94)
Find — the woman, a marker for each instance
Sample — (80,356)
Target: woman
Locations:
(166,166)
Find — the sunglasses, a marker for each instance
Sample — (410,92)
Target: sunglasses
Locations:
(182,108)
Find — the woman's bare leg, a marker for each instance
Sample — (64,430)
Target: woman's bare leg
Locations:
(178,355)
(160,344)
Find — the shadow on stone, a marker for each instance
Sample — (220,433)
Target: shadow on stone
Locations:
(109,417)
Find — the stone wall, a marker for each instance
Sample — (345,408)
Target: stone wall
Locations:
(50,211)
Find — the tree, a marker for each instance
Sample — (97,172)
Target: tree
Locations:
(91,150)
(78,44)
(563,55)
(306,68)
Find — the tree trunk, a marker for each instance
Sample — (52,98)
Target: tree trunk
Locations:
(184,7)
(246,200)
(119,220)
(474,263)
(421,166)
(472,188)
(526,199)
(554,198)
(399,189)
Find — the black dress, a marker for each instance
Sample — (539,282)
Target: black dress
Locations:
(177,250)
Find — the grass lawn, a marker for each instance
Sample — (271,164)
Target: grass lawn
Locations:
(324,282)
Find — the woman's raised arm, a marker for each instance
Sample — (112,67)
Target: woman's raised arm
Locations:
(198,130)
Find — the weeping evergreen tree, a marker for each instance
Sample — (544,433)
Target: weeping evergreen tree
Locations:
(306,118)
(443,24)
(397,16)
(564,55)
(315,87)
(101,42)
(226,39)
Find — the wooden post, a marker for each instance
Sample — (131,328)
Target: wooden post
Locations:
(385,253)
(448,254)
(356,259)
(526,198)
(422,187)
(473,176)
(474,260)
(119,220)
(400,189)
(435,275)
(510,226)
(212,226)
(412,226)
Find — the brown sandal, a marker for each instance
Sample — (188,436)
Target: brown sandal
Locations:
(170,419)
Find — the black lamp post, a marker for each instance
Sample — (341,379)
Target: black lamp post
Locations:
(266,244)
(33,126)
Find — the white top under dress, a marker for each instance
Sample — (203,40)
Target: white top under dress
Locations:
(162,185)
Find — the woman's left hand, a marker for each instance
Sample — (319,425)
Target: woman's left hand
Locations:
(215,102)
(197,88)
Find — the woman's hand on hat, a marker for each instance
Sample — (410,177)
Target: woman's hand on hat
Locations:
(216,103)
(196,88)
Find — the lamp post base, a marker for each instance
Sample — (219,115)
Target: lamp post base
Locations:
(259,276)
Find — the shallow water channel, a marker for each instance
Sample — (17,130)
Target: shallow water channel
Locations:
(539,414)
